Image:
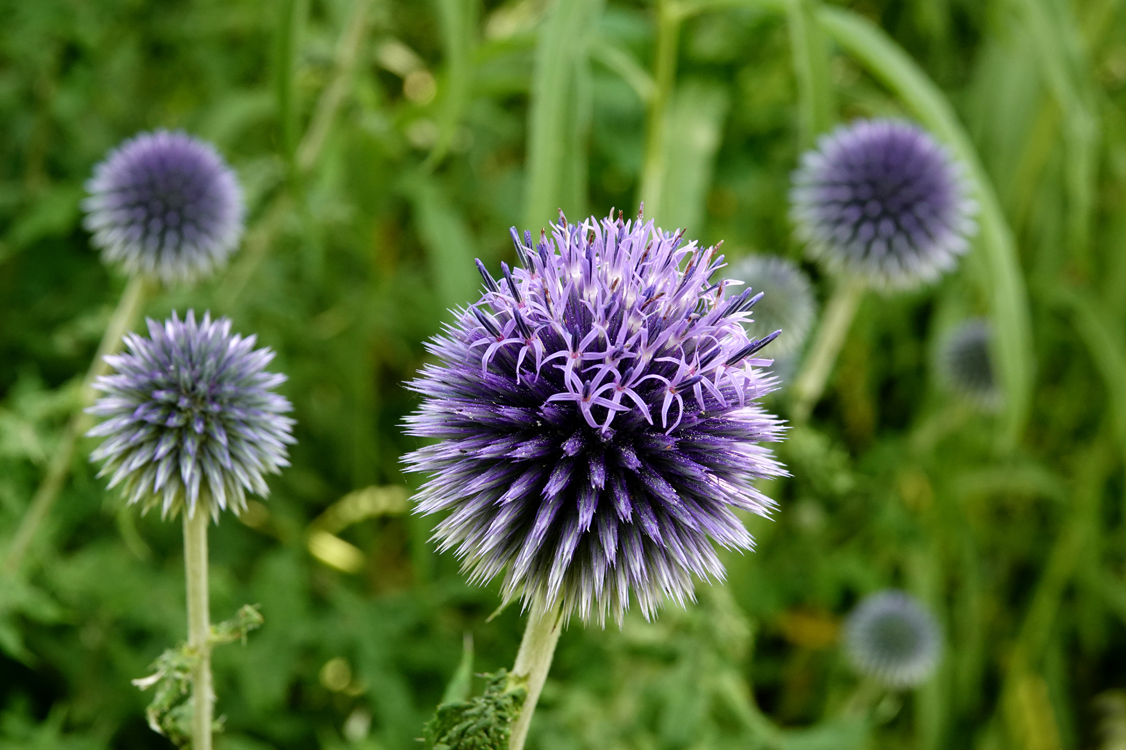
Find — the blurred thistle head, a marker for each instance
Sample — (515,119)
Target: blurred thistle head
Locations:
(165,204)
(596,421)
(965,363)
(890,636)
(787,302)
(883,201)
(190,418)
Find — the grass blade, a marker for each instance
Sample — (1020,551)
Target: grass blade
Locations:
(458,20)
(556,149)
(817,102)
(448,241)
(692,138)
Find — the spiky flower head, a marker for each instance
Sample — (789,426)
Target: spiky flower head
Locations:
(596,421)
(165,204)
(882,200)
(965,363)
(787,304)
(893,638)
(190,418)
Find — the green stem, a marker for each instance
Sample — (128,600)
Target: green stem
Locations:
(347,53)
(823,354)
(664,75)
(811,68)
(533,661)
(128,308)
(199,625)
(863,699)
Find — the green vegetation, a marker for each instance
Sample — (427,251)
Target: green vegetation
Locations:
(382,146)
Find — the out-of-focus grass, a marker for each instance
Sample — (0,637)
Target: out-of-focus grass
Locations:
(382,145)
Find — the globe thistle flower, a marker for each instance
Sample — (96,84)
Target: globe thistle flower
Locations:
(891,637)
(165,204)
(965,363)
(190,418)
(596,418)
(787,302)
(882,200)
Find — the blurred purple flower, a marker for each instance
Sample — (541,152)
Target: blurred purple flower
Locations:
(190,418)
(596,421)
(882,200)
(787,304)
(165,204)
(965,364)
(893,638)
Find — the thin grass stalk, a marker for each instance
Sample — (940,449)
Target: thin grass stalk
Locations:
(835,323)
(199,625)
(124,318)
(816,101)
(1078,533)
(347,53)
(664,76)
(533,661)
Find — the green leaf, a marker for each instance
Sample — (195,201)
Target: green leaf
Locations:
(460,683)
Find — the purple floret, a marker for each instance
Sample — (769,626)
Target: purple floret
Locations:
(190,418)
(167,205)
(882,200)
(596,421)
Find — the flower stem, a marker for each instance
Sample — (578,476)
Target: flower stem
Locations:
(823,354)
(533,661)
(128,308)
(199,625)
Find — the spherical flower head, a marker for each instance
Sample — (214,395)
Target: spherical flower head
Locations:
(596,420)
(893,638)
(965,364)
(167,205)
(190,418)
(884,201)
(787,303)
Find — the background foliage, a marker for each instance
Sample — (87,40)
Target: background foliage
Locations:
(382,146)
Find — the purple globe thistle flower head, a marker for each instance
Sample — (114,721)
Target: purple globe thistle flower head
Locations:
(597,421)
(965,364)
(787,303)
(190,418)
(890,636)
(884,201)
(165,204)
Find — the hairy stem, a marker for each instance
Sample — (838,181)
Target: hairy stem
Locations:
(533,661)
(128,308)
(823,354)
(199,625)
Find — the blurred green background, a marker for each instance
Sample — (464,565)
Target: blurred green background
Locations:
(382,145)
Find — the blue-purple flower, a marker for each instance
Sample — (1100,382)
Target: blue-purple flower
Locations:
(965,363)
(890,636)
(167,205)
(882,200)
(596,421)
(787,303)
(190,418)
